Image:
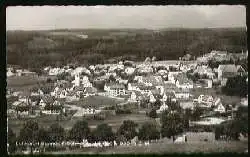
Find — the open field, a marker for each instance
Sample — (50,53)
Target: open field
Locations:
(190,147)
(195,144)
(96,101)
(24,82)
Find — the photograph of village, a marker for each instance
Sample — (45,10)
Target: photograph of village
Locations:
(126,79)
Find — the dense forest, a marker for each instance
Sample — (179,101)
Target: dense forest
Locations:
(36,49)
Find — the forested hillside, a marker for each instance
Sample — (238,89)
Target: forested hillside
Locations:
(35,49)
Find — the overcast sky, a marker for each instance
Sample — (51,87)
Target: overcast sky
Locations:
(151,17)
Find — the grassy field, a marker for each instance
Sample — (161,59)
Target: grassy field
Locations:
(23,82)
(195,144)
(96,101)
(189,147)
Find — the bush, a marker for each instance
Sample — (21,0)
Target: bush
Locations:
(236,86)
(123,111)
(148,131)
(152,113)
(99,117)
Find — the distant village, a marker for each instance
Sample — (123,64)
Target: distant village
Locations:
(141,83)
(150,81)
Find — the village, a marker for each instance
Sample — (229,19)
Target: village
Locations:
(103,92)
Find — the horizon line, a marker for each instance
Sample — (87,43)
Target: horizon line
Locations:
(152,29)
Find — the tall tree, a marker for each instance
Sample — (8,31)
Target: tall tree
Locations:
(171,124)
(197,112)
(103,132)
(29,133)
(11,141)
(152,113)
(236,86)
(80,131)
(56,133)
(148,131)
(43,136)
(128,129)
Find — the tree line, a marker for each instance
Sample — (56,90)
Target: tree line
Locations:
(172,124)
(34,49)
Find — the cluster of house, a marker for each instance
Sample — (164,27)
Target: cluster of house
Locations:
(221,56)
(13,71)
(208,101)
(136,82)
(32,106)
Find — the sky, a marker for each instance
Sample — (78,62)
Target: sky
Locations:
(149,17)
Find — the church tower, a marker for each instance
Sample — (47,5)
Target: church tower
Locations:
(77,80)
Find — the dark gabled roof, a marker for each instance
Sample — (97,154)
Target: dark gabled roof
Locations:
(169,86)
(48,99)
(230,68)
(34,98)
(155,80)
(115,85)
(71,93)
(169,93)
(79,88)
(182,78)
(137,93)
(178,90)
(146,87)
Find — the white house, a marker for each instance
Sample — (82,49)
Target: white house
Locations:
(181,94)
(133,97)
(133,87)
(85,111)
(172,76)
(114,89)
(84,80)
(244,101)
(120,66)
(164,98)
(146,89)
(163,72)
(145,69)
(80,70)
(220,108)
(180,139)
(160,88)
(55,71)
(129,70)
(206,99)
(150,80)
(152,98)
(162,108)
(51,112)
(229,70)
(209,83)
(10,73)
(72,97)
(46,100)
(184,84)
(217,102)
(59,92)
(89,91)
